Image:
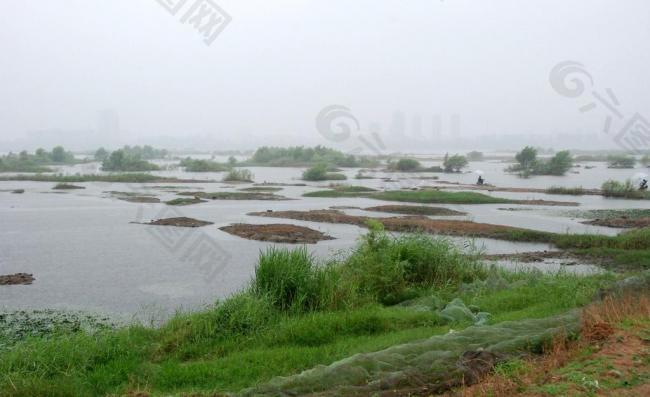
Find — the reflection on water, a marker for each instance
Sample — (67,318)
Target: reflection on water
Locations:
(86,254)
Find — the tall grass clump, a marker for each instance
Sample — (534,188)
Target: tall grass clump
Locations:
(392,269)
(291,280)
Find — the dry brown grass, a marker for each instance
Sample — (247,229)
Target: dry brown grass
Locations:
(599,324)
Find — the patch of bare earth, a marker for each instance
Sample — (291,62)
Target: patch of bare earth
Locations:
(399,224)
(180,222)
(16,279)
(278,233)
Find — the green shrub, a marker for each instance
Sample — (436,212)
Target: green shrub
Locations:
(238,175)
(315,173)
(319,173)
(627,189)
(557,165)
(454,163)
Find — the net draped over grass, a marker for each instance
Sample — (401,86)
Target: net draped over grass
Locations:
(299,313)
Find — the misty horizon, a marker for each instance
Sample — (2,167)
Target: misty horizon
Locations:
(113,73)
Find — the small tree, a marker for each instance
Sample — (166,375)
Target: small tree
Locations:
(58,154)
(101,154)
(527,157)
(559,164)
(454,163)
(407,165)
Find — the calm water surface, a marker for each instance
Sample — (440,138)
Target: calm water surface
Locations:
(86,253)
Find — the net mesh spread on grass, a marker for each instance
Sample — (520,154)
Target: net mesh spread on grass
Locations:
(437,363)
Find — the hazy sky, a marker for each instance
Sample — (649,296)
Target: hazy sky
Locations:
(279,62)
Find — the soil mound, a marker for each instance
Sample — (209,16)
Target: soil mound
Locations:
(278,233)
(400,224)
(180,222)
(16,279)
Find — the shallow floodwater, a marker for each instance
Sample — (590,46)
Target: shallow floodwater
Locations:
(85,253)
